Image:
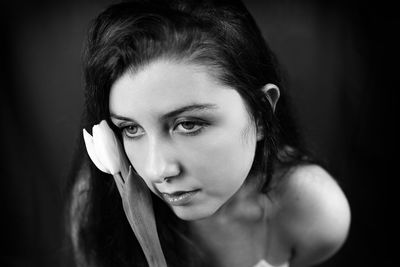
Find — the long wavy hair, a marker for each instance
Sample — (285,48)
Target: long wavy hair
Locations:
(221,35)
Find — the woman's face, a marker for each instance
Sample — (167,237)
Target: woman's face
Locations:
(190,138)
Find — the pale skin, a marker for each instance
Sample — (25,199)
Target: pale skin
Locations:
(185,131)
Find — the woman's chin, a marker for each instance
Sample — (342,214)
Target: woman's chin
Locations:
(190,214)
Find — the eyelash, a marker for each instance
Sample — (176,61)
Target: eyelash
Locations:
(201,124)
(124,130)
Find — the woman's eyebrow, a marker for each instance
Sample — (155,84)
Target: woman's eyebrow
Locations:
(118,117)
(175,112)
(193,107)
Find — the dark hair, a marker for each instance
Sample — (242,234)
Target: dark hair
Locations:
(221,35)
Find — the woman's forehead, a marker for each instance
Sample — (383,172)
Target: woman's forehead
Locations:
(165,85)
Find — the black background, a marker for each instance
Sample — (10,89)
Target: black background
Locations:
(342,66)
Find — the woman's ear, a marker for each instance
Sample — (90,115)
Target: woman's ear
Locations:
(272,93)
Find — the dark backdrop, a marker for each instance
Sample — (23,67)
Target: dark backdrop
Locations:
(341,64)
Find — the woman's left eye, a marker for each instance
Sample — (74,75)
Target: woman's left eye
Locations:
(189,127)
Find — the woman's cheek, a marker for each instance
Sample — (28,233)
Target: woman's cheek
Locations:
(136,157)
(220,158)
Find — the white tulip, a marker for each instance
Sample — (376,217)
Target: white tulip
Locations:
(91,151)
(104,148)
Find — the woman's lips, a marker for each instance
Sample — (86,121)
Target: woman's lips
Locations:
(179,198)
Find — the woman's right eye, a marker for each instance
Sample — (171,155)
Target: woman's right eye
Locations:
(132,131)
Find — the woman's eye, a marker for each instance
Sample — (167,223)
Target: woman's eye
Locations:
(132,131)
(189,127)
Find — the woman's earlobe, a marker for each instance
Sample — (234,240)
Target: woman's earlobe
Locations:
(272,93)
(260,133)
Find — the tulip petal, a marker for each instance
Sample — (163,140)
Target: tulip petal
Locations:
(100,146)
(91,150)
(112,147)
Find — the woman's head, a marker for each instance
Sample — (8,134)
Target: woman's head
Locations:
(185,133)
(218,36)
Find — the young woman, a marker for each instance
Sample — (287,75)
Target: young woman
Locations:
(194,94)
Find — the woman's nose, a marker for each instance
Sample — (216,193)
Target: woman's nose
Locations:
(162,164)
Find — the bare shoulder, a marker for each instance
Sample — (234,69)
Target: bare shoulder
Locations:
(314,213)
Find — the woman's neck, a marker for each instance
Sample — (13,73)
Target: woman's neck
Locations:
(238,228)
(246,206)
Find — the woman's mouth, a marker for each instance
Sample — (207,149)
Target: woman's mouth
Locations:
(179,198)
